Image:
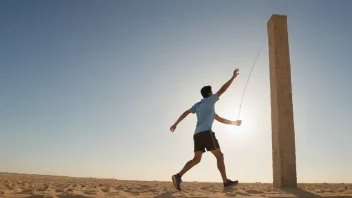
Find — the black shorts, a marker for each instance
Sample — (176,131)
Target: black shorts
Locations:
(205,140)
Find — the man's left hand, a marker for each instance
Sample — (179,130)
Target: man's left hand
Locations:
(237,122)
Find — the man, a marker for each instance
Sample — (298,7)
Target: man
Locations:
(204,137)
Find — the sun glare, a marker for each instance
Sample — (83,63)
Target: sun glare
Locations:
(246,125)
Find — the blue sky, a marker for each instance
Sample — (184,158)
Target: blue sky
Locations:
(91,88)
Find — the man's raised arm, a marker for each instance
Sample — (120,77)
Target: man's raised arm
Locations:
(228,83)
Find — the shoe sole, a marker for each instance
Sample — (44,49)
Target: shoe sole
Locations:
(231,185)
(174,182)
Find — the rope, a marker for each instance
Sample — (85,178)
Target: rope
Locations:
(244,91)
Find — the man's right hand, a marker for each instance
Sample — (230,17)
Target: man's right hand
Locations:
(235,73)
(173,127)
(228,83)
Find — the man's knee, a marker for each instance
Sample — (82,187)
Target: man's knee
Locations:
(196,159)
(220,156)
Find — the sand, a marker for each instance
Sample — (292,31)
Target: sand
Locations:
(38,186)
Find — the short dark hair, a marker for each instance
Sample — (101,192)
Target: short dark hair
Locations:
(205,91)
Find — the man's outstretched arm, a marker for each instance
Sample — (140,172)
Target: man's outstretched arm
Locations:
(184,114)
(228,83)
(225,121)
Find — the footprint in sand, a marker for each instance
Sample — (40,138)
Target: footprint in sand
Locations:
(231,195)
(164,195)
(37,196)
(8,186)
(132,191)
(71,196)
(26,191)
(254,192)
(70,190)
(119,187)
(49,196)
(43,188)
(142,188)
(60,190)
(152,190)
(90,192)
(105,189)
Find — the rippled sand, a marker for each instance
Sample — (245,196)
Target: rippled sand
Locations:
(37,186)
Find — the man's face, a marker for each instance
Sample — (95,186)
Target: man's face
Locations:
(211,93)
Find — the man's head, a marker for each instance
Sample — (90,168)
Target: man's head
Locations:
(206,91)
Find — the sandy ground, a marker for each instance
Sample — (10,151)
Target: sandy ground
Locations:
(38,186)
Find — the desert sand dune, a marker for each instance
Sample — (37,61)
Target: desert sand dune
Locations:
(42,186)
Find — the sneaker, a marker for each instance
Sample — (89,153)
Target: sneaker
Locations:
(230,183)
(176,180)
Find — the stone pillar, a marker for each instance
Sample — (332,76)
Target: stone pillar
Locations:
(283,133)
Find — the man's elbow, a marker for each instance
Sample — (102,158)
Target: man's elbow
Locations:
(187,112)
(217,118)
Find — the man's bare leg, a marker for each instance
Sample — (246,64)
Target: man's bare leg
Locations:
(196,159)
(221,164)
(176,179)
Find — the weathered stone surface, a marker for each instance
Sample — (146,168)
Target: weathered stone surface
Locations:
(283,133)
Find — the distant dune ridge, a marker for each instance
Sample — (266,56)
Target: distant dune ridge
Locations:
(40,186)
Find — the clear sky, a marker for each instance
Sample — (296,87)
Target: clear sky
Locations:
(91,88)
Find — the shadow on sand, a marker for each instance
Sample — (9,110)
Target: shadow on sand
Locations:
(304,194)
(231,192)
(164,195)
(59,196)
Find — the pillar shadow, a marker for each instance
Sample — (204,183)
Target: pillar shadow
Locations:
(298,192)
(305,194)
